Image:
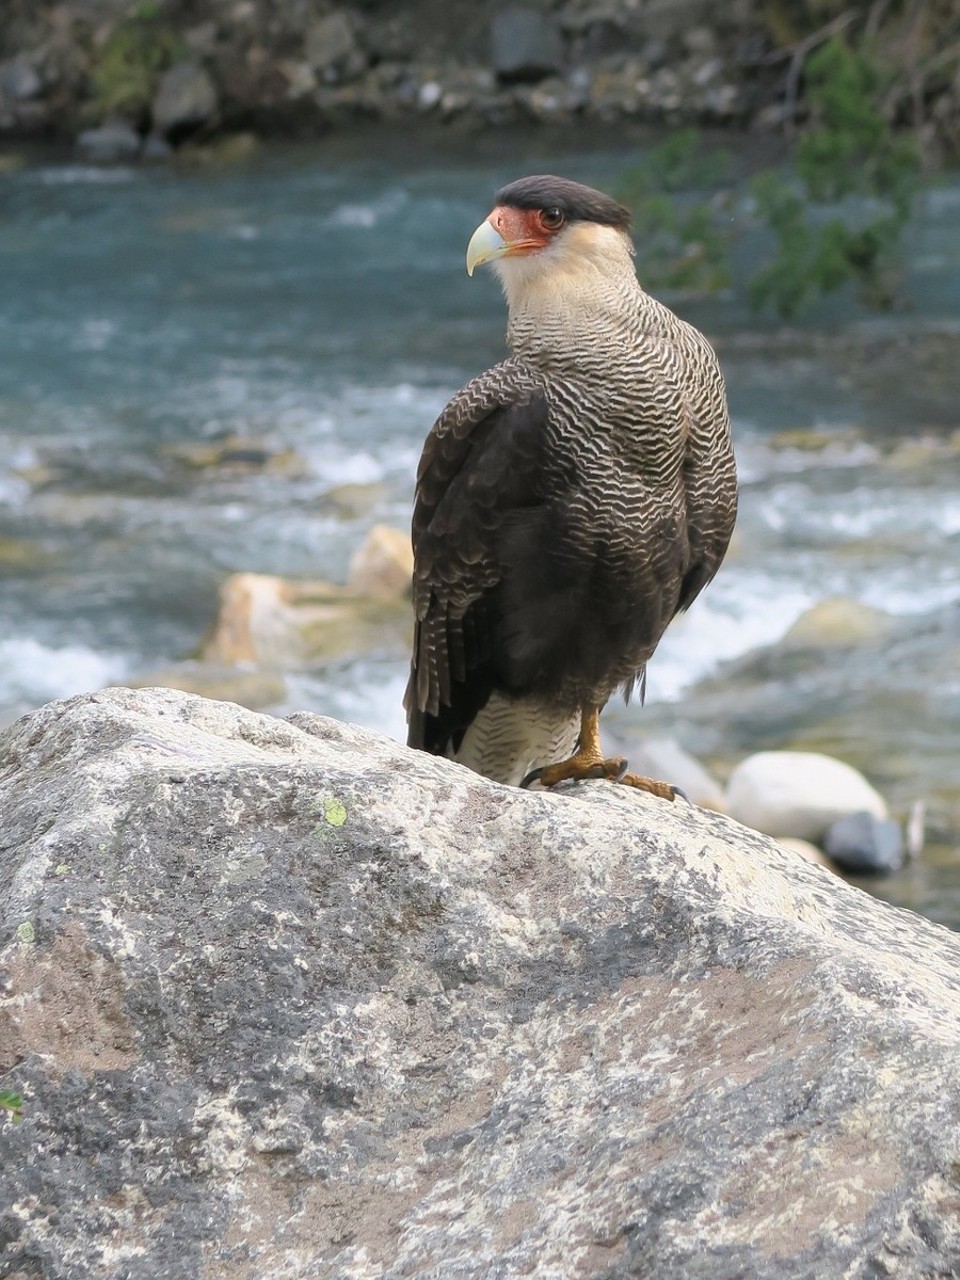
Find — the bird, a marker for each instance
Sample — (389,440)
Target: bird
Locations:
(569,502)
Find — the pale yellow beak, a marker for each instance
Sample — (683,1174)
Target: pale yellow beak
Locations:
(486,243)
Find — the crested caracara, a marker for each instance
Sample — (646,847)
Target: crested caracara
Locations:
(570,501)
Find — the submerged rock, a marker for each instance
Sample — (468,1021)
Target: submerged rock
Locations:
(282,622)
(285,999)
(275,623)
(382,566)
(110,143)
(865,844)
(798,793)
(236,454)
(257,690)
(838,623)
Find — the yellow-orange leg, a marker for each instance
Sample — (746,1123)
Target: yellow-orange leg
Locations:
(588,761)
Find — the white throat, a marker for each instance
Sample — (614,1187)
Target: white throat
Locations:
(584,279)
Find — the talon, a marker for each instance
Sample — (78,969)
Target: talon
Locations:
(661,789)
(532,777)
(581,768)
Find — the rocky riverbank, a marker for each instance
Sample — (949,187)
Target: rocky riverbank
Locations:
(133,79)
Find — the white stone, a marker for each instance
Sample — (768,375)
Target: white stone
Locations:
(798,793)
(429,95)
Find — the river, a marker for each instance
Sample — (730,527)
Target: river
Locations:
(315,298)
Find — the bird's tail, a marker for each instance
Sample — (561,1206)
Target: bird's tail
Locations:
(510,736)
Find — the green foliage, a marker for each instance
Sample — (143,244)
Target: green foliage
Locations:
(849,151)
(679,163)
(684,247)
(836,218)
(12,1104)
(814,258)
(130,63)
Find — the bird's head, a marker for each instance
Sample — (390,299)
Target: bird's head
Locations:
(544,224)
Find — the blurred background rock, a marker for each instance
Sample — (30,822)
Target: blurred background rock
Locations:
(167,70)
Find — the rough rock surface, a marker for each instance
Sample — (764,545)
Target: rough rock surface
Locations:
(284,999)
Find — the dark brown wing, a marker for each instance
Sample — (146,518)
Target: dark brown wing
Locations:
(480,470)
(710,475)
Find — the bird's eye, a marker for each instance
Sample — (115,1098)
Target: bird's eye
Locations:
(552,219)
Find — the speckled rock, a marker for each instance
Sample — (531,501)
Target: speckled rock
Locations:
(284,999)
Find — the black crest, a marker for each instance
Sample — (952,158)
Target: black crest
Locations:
(575,201)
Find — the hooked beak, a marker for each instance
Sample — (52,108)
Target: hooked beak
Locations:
(486,243)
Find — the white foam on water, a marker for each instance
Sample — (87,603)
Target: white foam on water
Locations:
(950,517)
(14,490)
(93,334)
(78,174)
(35,673)
(898,592)
(368,214)
(366,694)
(758,459)
(339,466)
(738,613)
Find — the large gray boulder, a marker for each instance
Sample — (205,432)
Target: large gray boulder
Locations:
(284,999)
(524,44)
(186,97)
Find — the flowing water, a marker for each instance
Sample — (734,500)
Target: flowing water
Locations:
(315,299)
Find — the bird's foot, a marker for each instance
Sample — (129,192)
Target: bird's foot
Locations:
(582,767)
(578,768)
(662,789)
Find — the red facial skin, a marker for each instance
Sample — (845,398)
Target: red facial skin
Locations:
(523,230)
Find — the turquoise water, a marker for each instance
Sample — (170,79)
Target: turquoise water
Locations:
(315,299)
